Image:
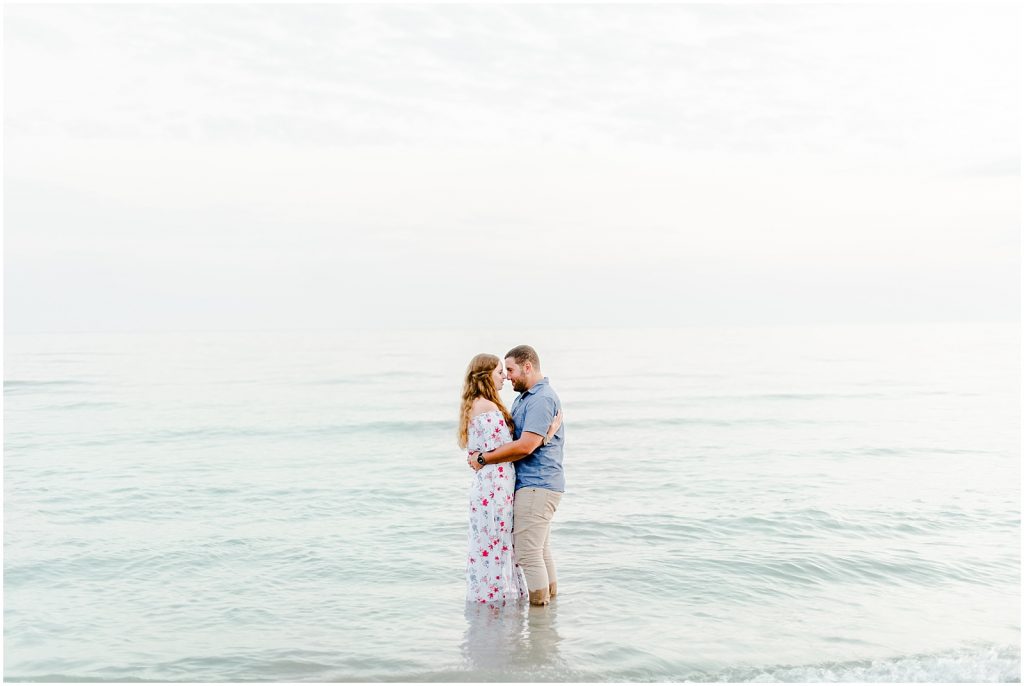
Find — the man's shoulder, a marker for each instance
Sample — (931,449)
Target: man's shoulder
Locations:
(546,390)
(542,395)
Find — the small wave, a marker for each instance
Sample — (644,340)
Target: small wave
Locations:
(25,385)
(84,404)
(70,679)
(826,569)
(243,433)
(227,434)
(699,399)
(740,397)
(668,422)
(992,664)
(374,377)
(815,522)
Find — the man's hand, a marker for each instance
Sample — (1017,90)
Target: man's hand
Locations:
(473,463)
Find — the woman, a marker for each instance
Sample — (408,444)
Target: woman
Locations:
(492,575)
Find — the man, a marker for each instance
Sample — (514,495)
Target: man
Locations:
(540,479)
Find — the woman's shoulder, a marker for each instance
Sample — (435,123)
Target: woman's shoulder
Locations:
(482,405)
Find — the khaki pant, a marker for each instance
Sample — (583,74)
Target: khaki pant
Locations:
(533,510)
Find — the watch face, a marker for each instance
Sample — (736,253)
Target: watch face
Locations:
(480,459)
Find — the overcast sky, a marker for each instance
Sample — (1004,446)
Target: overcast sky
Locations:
(223,167)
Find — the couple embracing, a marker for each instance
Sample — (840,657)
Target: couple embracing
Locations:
(519,479)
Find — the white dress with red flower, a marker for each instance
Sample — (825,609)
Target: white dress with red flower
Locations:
(492,575)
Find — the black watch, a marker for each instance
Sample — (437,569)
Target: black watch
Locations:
(480,459)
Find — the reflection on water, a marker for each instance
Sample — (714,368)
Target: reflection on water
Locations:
(512,640)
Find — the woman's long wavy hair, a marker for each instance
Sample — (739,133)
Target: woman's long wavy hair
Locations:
(479,384)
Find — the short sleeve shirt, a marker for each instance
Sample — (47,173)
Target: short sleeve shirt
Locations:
(533,411)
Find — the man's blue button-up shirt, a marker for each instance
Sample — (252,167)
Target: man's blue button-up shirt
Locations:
(533,411)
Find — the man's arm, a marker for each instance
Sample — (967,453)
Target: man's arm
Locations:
(536,422)
(510,452)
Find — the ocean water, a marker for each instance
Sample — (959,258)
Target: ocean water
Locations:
(743,504)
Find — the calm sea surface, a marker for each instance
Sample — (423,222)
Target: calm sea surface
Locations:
(789,504)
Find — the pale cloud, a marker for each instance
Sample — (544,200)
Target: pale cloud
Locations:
(909,79)
(265,165)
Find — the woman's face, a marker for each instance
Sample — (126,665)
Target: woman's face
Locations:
(498,376)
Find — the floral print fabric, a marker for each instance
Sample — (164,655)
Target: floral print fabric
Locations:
(492,575)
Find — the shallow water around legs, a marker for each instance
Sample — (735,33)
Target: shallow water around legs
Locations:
(787,504)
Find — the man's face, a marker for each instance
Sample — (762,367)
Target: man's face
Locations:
(517,374)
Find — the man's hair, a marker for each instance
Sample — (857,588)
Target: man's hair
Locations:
(524,353)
